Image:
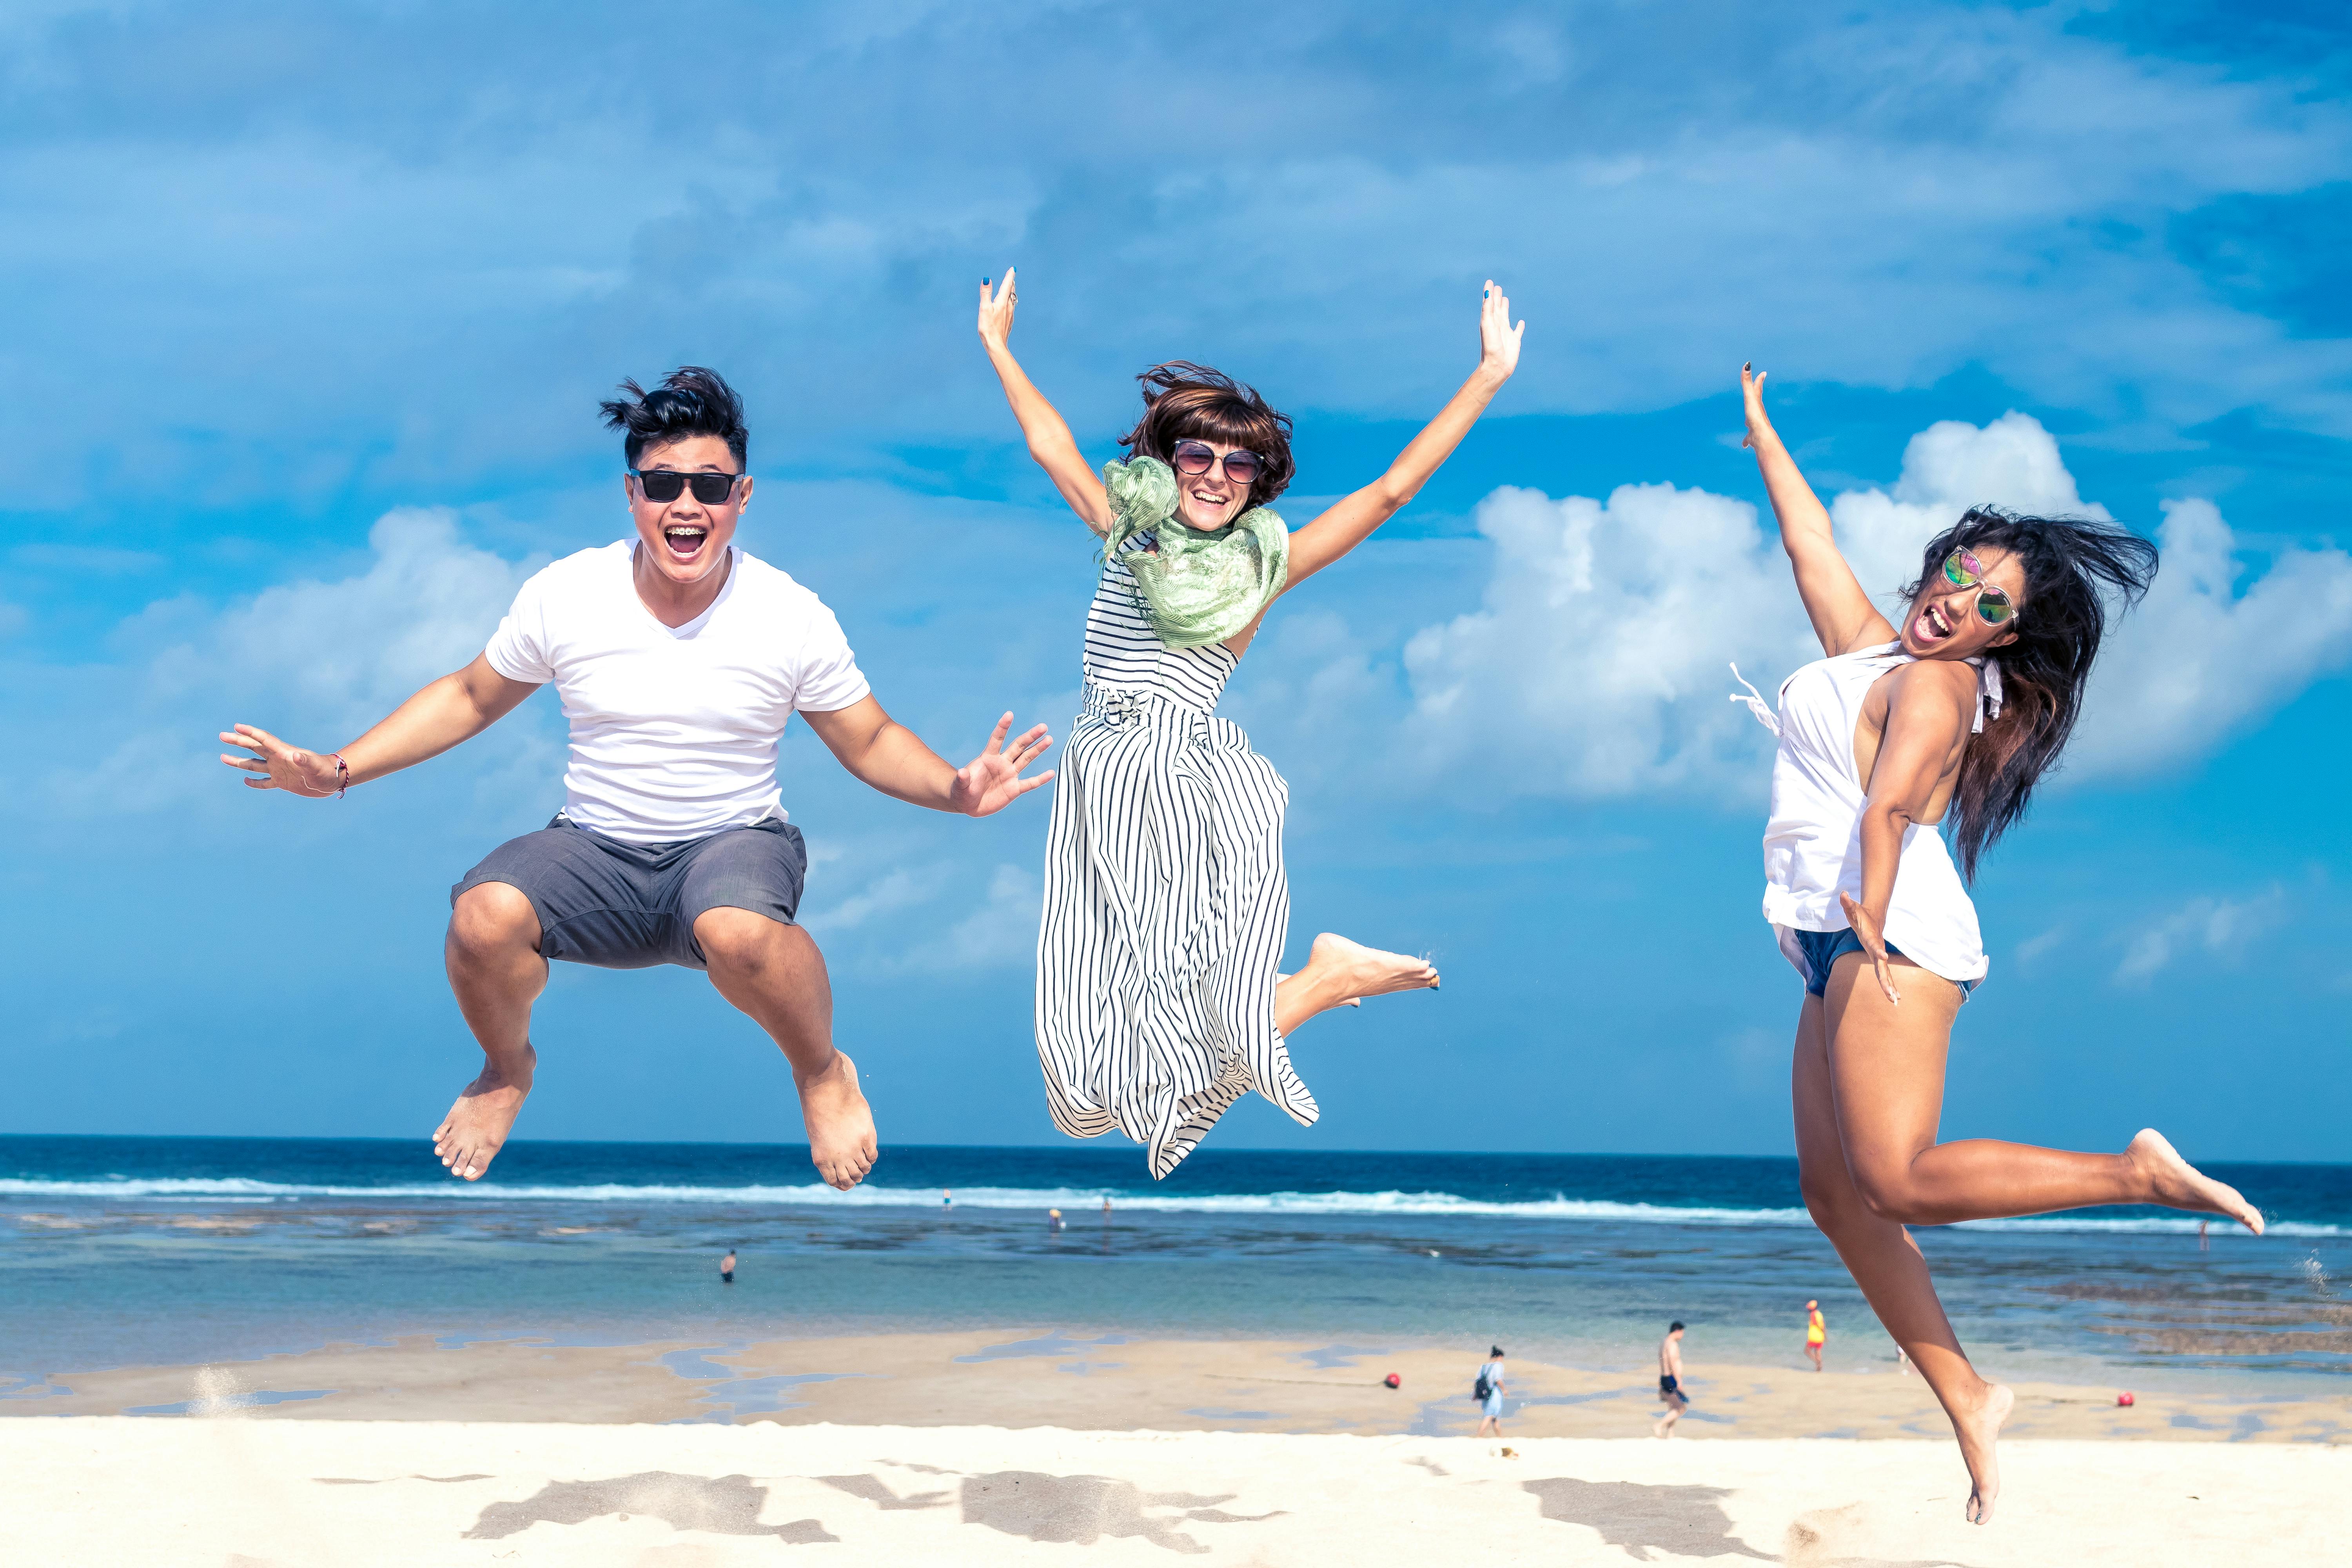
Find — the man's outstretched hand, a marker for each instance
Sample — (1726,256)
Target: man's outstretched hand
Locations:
(991,781)
(281,767)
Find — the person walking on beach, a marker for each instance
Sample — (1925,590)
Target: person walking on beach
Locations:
(1670,1382)
(1950,720)
(1488,1391)
(727,1267)
(1817,1333)
(681,658)
(1159,1002)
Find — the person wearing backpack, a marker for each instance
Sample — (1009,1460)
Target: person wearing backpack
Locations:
(1488,1391)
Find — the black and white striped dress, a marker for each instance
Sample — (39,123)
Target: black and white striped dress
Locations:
(1166,904)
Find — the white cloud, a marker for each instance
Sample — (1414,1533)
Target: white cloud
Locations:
(1003,930)
(887,894)
(314,662)
(2221,927)
(1949,467)
(2213,649)
(1596,663)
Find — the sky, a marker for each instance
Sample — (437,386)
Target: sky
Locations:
(309,309)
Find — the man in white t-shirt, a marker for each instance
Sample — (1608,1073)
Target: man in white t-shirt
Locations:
(680,658)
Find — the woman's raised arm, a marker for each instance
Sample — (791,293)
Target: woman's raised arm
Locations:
(1350,521)
(1050,441)
(1843,616)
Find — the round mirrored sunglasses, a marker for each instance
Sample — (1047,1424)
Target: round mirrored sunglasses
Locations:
(1962,570)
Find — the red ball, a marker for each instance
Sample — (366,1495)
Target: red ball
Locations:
(2124,1399)
(1393,1380)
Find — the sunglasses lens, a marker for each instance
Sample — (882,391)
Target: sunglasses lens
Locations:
(1956,570)
(661,487)
(712,488)
(1994,611)
(1191,457)
(1242,468)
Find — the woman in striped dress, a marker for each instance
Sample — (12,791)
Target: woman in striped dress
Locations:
(1158,1004)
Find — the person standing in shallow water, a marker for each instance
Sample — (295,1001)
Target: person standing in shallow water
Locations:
(1817,1333)
(1490,1403)
(1949,721)
(1159,1002)
(681,658)
(727,1267)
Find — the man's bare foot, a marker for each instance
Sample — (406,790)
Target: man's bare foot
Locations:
(2178,1184)
(1357,971)
(475,1129)
(840,1123)
(1979,1431)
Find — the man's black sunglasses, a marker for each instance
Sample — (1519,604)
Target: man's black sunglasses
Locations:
(665,484)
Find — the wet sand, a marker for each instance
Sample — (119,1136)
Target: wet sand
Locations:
(273,1494)
(1104,1381)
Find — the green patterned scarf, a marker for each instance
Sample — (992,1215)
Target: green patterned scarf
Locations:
(1198,588)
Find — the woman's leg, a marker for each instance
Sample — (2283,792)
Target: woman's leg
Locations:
(1885,1262)
(1338,971)
(1887,1062)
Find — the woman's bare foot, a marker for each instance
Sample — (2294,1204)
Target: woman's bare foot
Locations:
(1979,1431)
(2178,1184)
(840,1123)
(1357,971)
(475,1129)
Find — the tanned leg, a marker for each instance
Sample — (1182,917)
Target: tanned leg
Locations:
(775,974)
(495,969)
(1885,1262)
(1338,972)
(1890,1091)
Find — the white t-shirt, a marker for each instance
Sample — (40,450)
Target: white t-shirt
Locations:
(674,729)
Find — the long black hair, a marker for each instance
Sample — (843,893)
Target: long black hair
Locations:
(2071,565)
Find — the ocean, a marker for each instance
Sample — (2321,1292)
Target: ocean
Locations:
(175,1251)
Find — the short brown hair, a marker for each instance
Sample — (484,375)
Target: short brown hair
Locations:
(1183,401)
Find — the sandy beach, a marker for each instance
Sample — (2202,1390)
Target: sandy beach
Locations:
(985,1447)
(1085,1381)
(264,1494)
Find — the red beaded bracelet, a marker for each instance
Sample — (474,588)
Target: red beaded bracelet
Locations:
(342,773)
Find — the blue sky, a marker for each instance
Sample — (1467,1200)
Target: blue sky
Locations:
(310,310)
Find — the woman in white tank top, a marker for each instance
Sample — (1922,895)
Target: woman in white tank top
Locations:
(1166,907)
(1895,737)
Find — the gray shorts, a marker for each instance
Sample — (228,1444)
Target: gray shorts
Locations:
(632,906)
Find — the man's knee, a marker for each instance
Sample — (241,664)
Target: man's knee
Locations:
(492,919)
(739,941)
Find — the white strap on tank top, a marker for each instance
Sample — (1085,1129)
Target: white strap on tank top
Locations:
(1987,693)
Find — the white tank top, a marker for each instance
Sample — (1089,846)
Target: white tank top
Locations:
(1812,846)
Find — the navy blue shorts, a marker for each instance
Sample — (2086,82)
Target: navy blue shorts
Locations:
(1824,947)
(632,906)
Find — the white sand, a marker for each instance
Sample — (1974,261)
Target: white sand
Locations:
(236,1490)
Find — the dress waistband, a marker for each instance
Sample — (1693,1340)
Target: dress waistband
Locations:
(1121,705)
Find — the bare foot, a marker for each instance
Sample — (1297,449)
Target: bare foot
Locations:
(2178,1184)
(840,1123)
(1351,1001)
(1359,971)
(1979,1431)
(475,1129)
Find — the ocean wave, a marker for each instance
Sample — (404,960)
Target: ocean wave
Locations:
(1559,1207)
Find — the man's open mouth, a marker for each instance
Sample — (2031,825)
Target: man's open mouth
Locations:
(685,542)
